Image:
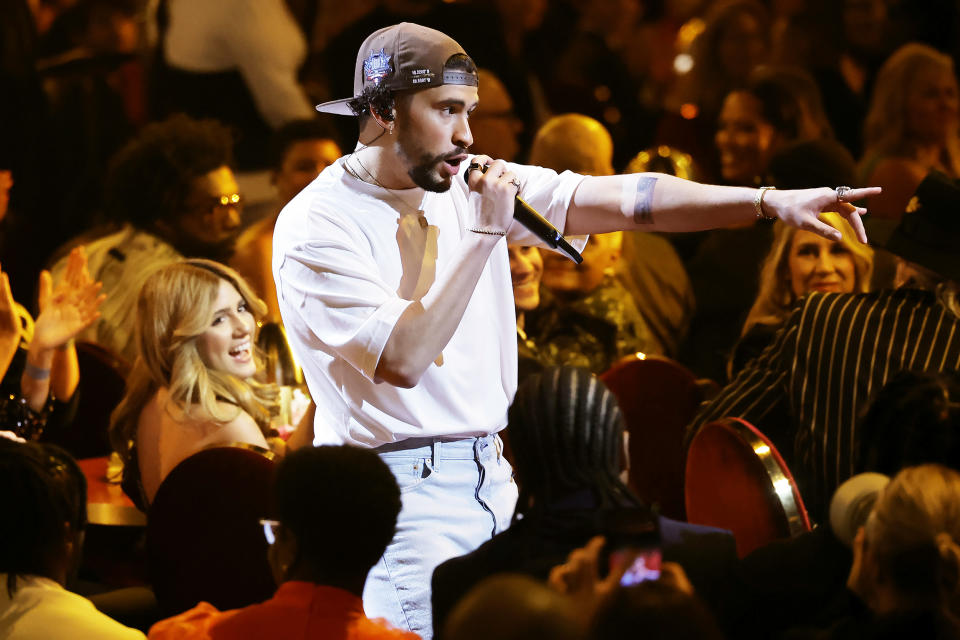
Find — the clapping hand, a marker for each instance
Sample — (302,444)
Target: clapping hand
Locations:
(10,327)
(68,308)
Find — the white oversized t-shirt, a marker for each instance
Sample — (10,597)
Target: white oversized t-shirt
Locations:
(342,285)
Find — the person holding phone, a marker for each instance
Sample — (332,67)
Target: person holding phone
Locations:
(567,443)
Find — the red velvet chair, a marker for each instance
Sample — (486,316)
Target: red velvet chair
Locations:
(737,480)
(204,540)
(659,398)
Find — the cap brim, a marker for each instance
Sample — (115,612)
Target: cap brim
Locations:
(338,107)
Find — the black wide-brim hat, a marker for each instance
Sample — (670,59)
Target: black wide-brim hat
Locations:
(928,234)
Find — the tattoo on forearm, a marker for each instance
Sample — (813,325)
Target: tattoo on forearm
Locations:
(643,205)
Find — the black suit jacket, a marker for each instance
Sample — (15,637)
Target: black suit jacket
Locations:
(826,364)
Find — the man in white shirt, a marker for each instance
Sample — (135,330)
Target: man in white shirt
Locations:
(394,285)
(45,513)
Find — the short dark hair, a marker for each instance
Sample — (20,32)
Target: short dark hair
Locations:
(914,419)
(342,504)
(298,131)
(566,434)
(43,488)
(150,179)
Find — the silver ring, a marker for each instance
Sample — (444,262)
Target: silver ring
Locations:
(515,183)
(841,194)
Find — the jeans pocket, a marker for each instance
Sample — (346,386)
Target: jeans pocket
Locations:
(409,472)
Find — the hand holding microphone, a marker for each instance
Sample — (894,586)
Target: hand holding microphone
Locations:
(533,221)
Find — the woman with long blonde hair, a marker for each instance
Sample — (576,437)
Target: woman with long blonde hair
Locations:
(911,127)
(192,384)
(799,263)
(906,566)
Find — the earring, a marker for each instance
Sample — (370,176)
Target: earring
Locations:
(390,130)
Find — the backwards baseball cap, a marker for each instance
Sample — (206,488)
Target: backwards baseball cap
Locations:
(405,56)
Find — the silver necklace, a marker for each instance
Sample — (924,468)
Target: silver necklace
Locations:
(421,216)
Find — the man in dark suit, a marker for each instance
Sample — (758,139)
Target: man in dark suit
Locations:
(836,351)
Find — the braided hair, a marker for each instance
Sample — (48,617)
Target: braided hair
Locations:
(566,433)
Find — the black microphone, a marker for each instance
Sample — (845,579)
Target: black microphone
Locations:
(536,223)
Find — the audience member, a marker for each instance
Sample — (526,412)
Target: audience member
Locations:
(494,124)
(799,263)
(790,582)
(567,438)
(233,61)
(93,78)
(777,107)
(44,504)
(914,419)
(39,386)
(26,151)
(912,126)
(586,317)
(587,73)
(172,190)
(513,607)
(526,269)
(906,563)
(663,608)
(192,383)
(301,150)
(733,42)
(850,40)
(573,142)
(336,512)
(836,350)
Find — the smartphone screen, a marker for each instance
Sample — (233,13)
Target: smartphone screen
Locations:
(646,565)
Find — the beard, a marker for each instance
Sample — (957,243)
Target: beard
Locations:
(424,166)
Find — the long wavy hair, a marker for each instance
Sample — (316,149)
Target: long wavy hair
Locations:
(175,307)
(776,298)
(885,128)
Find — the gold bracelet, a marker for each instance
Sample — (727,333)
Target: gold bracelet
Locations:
(758,204)
(489,232)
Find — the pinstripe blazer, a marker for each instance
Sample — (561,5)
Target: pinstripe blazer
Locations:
(825,365)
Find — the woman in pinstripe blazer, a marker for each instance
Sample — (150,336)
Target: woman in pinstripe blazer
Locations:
(836,350)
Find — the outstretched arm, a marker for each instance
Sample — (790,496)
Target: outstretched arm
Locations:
(660,202)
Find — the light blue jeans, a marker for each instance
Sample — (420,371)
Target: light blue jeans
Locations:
(456,495)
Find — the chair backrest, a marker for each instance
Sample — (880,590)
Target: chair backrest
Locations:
(101,388)
(737,480)
(659,398)
(204,541)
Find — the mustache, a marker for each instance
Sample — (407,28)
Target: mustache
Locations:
(443,157)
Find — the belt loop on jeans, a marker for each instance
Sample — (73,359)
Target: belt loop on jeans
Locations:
(437,451)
